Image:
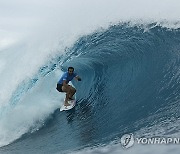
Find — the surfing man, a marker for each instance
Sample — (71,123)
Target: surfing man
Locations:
(62,85)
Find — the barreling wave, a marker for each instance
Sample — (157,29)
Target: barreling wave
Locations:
(130,80)
(130,73)
(130,83)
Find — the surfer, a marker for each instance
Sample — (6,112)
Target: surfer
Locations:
(62,85)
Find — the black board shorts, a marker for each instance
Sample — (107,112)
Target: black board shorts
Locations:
(59,87)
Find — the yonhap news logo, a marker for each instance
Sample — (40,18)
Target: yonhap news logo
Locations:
(128,140)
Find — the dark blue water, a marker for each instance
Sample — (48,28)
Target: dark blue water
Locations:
(130,81)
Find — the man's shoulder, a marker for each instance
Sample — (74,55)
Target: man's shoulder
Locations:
(75,74)
(64,74)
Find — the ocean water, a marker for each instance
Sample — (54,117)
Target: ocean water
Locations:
(127,55)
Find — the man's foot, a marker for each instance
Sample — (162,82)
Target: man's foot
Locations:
(66,104)
(71,98)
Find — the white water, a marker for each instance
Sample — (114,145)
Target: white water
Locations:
(33,32)
(136,149)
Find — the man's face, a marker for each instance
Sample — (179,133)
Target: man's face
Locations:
(70,71)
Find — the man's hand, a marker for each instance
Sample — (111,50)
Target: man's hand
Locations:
(78,78)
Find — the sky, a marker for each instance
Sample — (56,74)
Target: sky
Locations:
(19,18)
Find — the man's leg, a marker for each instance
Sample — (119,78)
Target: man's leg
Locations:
(72,92)
(67,90)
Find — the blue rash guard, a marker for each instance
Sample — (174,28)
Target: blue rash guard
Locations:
(67,77)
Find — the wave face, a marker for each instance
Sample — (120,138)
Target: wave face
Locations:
(130,83)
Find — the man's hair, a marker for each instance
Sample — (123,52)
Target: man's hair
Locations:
(70,68)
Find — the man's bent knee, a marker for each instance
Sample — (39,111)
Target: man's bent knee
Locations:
(73,89)
(66,89)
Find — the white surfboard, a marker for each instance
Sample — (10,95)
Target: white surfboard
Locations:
(65,108)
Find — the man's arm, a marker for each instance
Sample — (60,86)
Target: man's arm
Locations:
(77,78)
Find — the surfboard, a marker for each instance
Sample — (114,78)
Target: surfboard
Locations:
(65,108)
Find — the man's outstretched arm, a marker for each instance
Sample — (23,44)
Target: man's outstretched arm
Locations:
(78,78)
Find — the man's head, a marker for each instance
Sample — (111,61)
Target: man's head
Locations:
(70,70)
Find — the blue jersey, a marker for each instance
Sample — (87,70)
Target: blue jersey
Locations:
(67,77)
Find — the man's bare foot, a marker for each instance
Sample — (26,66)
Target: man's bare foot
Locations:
(70,99)
(66,104)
